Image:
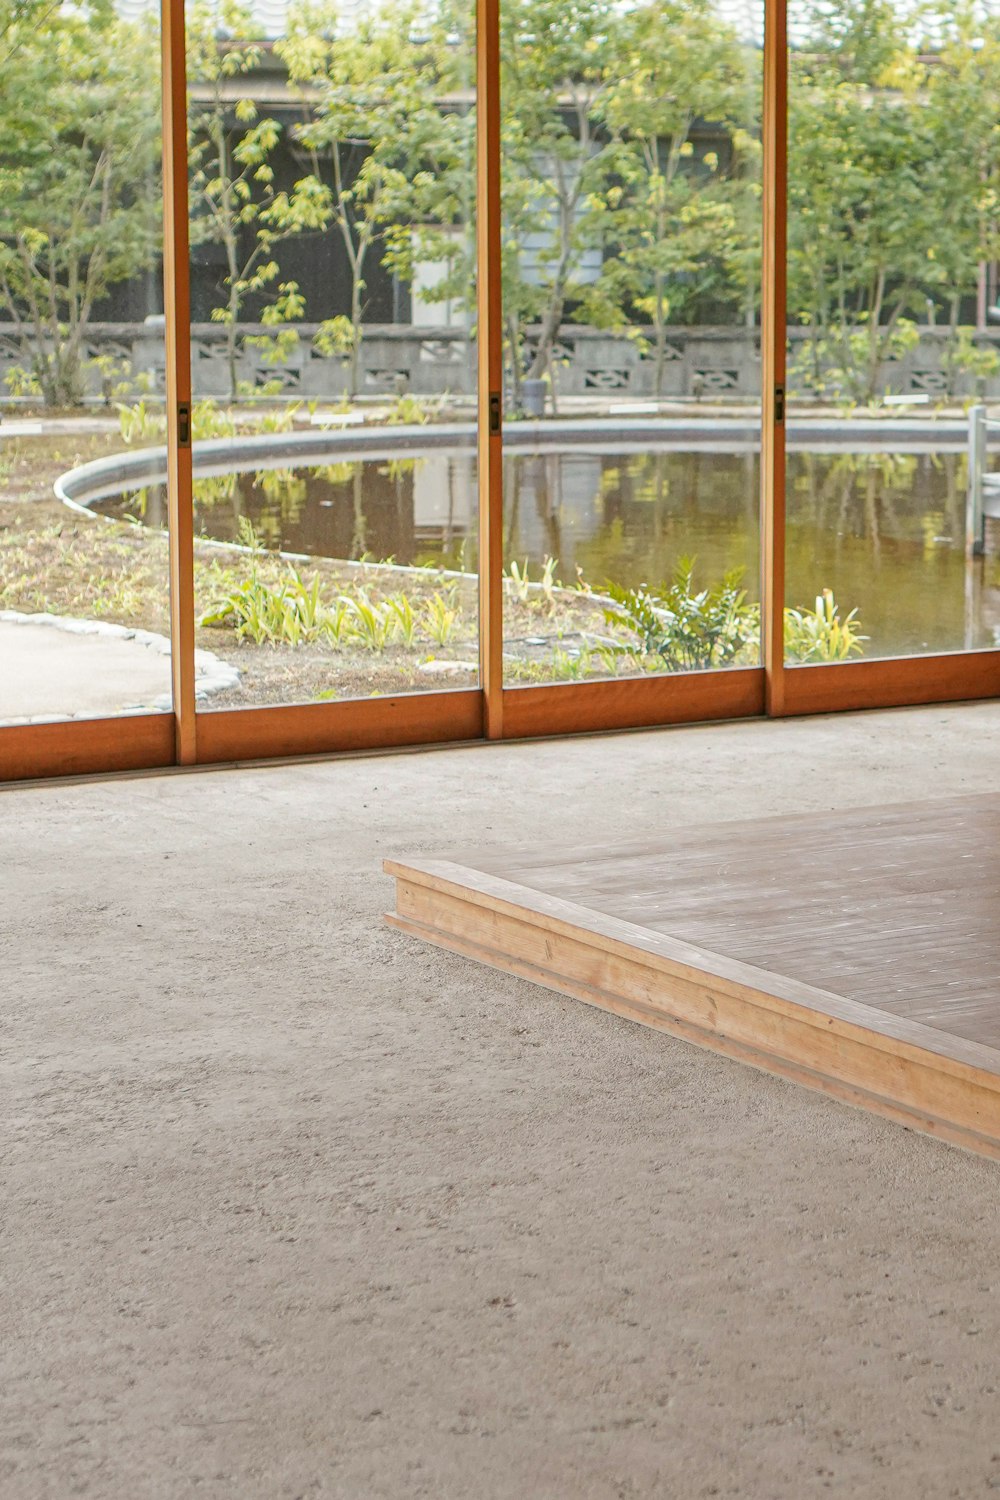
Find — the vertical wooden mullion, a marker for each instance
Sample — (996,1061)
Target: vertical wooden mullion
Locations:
(490,347)
(773,343)
(177,308)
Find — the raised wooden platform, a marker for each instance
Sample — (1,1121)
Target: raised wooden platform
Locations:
(855,952)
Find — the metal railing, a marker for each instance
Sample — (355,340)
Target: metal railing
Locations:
(983,494)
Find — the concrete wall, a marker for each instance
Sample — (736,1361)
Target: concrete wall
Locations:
(701,363)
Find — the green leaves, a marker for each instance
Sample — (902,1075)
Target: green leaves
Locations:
(688,630)
(891,198)
(234,201)
(819,634)
(294,612)
(624,219)
(677,628)
(395,161)
(79,204)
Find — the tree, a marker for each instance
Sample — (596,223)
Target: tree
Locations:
(885,198)
(964,84)
(79,194)
(18,18)
(680,228)
(233,198)
(558,63)
(394,161)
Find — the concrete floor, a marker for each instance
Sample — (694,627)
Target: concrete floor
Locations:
(296,1207)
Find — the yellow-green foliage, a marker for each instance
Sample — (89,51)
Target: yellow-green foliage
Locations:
(819,634)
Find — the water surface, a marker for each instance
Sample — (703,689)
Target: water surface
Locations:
(885,532)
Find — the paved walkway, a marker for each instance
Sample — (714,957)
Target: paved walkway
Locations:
(50,673)
(53,668)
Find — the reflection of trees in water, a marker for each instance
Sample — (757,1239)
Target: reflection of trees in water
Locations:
(533,491)
(512,505)
(448,539)
(630,518)
(658,507)
(886,533)
(359,530)
(877,496)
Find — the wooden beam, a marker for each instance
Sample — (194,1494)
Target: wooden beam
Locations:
(177,308)
(490,345)
(633,703)
(330,728)
(83,747)
(773,343)
(895,682)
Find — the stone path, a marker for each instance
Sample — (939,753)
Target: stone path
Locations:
(53,668)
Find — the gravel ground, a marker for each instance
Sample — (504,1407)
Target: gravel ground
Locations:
(294,1206)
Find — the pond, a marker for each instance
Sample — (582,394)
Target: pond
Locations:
(884,531)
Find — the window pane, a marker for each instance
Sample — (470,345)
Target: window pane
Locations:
(892,251)
(84,616)
(331,186)
(631,198)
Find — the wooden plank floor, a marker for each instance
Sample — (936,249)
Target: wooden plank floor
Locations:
(858,952)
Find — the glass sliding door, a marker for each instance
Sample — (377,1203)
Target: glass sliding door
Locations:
(331,184)
(891,270)
(631,282)
(84,608)
(338,229)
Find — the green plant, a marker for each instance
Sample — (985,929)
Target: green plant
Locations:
(408,410)
(235,202)
(280,418)
(516,581)
(519,584)
(404,621)
(569,666)
(141,422)
(404,618)
(687,630)
(549,582)
(79,212)
(209,420)
(819,634)
(306,598)
(440,618)
(21,382)
(378,82)
(371,624)
(334,624)
(290,612)
(559,665)
(146,422)
(117,377)
(337,338)
(252,608)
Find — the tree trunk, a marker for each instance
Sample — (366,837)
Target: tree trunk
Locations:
(355,360)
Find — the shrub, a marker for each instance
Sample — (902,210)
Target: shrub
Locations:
(687,630)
